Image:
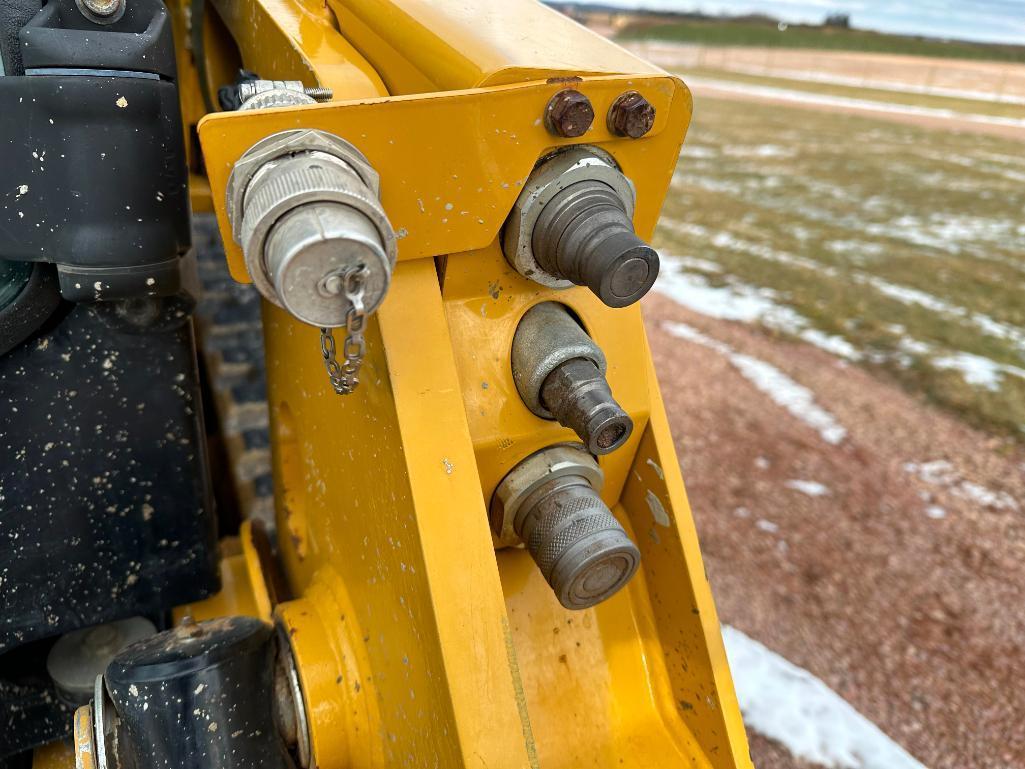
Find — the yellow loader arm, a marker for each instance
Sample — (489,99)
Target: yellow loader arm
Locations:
(485,555)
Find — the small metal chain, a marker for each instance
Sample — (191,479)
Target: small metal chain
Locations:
(344,376)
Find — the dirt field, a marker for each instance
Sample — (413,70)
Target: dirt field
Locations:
(839,333)
(952,77)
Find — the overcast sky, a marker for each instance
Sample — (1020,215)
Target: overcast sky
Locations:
(990,20)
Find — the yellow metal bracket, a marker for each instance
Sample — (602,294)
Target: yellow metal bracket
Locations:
(453,163)
(417,644)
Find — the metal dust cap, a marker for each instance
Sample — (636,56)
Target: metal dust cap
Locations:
(304,206)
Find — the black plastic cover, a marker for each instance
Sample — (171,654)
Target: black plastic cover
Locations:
(199,696)
(140,41)
(105,507)
(94,153)
(97,185)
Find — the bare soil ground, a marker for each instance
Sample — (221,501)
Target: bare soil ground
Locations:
(884,112)
(995,78)
(916,621)
(902,585)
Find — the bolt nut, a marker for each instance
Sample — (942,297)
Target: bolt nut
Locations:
(631,115)
(273,98)
(552,176)
(569,114)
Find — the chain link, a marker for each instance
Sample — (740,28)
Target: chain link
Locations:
(344,376)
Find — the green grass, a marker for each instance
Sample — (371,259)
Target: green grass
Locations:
(971,106)
(762,34)
(842,218)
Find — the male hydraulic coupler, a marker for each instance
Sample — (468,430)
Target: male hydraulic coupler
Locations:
(560,374)
(573,225)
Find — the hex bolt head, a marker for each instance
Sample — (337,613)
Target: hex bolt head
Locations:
(102,11)
(631,115)
(568,114)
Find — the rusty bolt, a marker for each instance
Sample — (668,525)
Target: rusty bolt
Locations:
(569,113)
(631,115)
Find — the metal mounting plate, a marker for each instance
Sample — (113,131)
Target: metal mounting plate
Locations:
(482,142)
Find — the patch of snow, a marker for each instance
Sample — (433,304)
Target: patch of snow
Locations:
(781,389)
(752,304)
(744,303)
(811,488)
(981,495)
(767,526)
(914,346)
(759,151)
(698,151)
(788,704)
(903,294)
(694,263)
(940,472)
(858,247)
(734,302)
(831,343)
(935,512)
(977,370)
